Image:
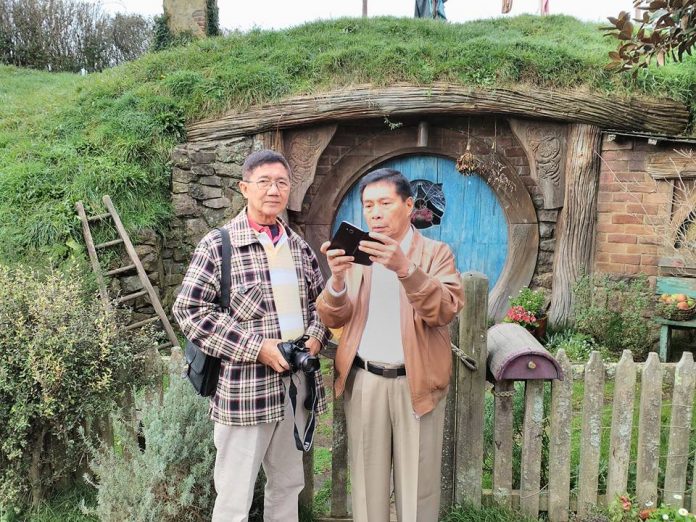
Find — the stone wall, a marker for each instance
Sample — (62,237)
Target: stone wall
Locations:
(205,195)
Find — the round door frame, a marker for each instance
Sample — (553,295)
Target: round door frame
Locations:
(512,194)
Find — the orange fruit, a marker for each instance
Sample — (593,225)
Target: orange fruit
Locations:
(681,297)
(683,305)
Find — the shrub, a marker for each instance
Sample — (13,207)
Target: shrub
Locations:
(614,312)
(63,363)
(531,300)
(68,35)
(172,477)
(577,346)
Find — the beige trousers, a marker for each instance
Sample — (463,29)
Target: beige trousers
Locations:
(241,450)
(383,432)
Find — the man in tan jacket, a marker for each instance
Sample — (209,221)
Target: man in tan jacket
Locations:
(393,359)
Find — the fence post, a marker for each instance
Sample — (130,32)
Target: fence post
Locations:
(339,457)
(530,473)
(621,426)
(679,432)
(649,431)
(502,442)
(471,387)
(448,439)
(591,433)
(559,442)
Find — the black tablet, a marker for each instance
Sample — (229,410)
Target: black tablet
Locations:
(348,238)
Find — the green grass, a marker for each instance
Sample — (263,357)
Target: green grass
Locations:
(65,138)
(469,513)
(64,507)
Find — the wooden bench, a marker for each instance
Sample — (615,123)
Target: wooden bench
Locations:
(673,285)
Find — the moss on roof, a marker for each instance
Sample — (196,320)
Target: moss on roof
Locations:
(65,138)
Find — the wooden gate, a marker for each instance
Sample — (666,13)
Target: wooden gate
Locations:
(462,211)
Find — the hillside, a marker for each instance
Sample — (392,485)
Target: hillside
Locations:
(65,138)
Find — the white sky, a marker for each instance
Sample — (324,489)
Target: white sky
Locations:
(267,14)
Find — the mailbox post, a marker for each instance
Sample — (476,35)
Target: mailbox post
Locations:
(515,355)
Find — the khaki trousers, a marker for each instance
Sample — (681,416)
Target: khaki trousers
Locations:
(383,433)
(241,450)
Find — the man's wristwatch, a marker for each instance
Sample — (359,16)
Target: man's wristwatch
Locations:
(411,269)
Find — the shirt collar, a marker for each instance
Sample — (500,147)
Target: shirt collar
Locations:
(260,229)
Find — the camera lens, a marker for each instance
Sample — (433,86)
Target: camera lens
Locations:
(306,362)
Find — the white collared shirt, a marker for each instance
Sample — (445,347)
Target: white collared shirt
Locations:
(381,340)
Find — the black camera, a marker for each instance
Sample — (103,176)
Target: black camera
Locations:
(298,356)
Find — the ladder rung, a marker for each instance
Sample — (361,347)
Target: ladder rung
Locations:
(120,270)
(132,296)
(141,323)
(98,217)
(165,345)
(109,243)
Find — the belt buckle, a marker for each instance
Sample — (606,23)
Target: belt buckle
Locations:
(390,373)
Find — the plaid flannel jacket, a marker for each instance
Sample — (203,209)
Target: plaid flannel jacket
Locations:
(248,392)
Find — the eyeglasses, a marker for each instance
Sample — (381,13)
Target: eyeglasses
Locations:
(265,184)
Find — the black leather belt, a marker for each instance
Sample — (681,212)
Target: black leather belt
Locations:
(390,373)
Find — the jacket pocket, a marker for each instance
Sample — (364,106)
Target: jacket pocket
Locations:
(246,304)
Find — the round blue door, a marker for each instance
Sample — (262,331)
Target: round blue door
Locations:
(462,211)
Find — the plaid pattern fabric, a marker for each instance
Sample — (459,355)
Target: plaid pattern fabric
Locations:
(248,392)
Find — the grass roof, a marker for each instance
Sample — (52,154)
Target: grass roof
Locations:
(65,138)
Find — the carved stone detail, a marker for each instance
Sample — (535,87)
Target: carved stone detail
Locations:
(545,146)
(302,150)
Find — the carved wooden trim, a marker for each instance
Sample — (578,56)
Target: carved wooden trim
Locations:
(303,148)
(361,102)
(523,230)
(545,147)
(662,166)
(576,228)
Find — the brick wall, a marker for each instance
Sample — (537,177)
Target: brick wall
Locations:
(632,208)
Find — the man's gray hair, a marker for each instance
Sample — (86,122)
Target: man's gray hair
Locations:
(263,157)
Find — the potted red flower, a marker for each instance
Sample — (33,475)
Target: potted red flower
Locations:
(527,309)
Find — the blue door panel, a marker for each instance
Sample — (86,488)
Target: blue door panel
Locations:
(473,223)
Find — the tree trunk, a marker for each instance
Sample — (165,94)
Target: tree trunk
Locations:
(35,470)
(575,231)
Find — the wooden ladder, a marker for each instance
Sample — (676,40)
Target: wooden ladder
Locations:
(135,264)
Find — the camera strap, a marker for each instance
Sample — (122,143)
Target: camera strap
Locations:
(304,444)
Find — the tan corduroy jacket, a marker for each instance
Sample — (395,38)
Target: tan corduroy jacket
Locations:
(430,298)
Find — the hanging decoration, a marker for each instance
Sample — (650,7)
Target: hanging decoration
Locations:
(467,163)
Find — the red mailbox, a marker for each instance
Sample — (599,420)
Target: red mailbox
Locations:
(515,355)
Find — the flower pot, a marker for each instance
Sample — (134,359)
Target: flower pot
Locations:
(539,332)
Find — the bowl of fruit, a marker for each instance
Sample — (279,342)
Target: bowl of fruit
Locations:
(676,307)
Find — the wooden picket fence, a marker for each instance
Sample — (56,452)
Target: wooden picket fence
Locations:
(635,385)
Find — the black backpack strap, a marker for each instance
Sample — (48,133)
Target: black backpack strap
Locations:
(225,276)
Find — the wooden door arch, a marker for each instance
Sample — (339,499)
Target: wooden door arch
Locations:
(512,194)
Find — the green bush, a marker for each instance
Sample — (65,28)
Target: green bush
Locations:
(172,478)
(615,312)
(577,346)
(63,363)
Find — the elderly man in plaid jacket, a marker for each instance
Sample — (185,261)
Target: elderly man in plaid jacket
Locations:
(275,281)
